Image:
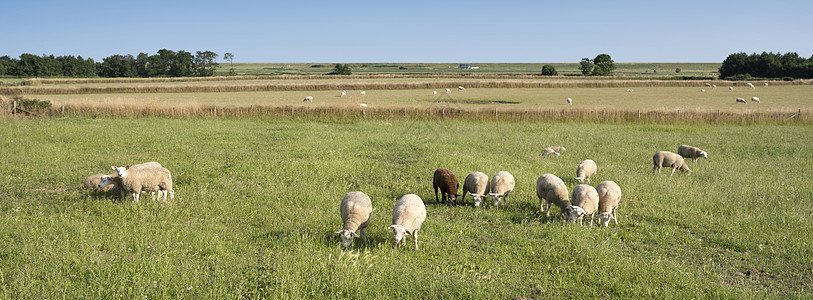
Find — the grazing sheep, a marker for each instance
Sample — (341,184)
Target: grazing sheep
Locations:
(461,88)
(751,85)
(553,190)
(741,100)
(586,169)
(447,182)
(766,84)
(92,182)
(145,179)
(609,195)
(714,86)
(434,93)
(363,93)
(502,184)
(355,209)
(476,183)
(692,152)
(407,217)
(113,181)
(559,149)
(584,203)
(308,99)
(362,105)
(731,88)
(344,93)
(755,99)
(708,84)
(629,90)
(702,90)
(569,101)
(550,151)
(669,159)
(448,91)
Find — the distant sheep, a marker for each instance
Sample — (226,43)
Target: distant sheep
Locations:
(629,90)
(448,91)
(92,182)
(552,190)
(569,101)
(502,184)
(731,88)
(461,88)
(362,105)
(714,86)
(477,184)
(755,99)
(584,203)
(550,151)
(308,99)
(407,218)
(363,93)
(586,169)
(355,210)
(114,181)
(751,85)
(741,100)
(692,152)
(447,183)
(669,159)
(766,84)
(434,93)
(344,93)
(559,149)
(708,84)
(147,179)
(609,195)
(702,90)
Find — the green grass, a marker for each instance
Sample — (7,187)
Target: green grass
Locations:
(257,204)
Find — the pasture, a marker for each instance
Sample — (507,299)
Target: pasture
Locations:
(257,203)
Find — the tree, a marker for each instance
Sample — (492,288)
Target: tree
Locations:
(549,70)
(587,66)
(205,63)
(183,64)
(230,57)
(677,70)
(342,69)
(604,65)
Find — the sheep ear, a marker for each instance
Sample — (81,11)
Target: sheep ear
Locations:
(407,232)
(340,231)
(353,233)
(391,227)
(114,168)
(127,167)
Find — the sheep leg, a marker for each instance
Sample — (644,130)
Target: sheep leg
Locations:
(673,172)
(415,238)
(547,210)
(614,217)
(436,193)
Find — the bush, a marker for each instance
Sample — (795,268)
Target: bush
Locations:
(341,69)
(677,70)
(549,70)
(33,104)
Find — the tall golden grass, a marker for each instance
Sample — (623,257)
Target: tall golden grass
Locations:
(345,113)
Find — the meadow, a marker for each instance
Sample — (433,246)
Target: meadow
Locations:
(257,203)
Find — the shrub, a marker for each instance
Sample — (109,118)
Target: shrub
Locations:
(549,70)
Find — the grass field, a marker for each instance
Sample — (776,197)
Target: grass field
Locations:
(257,204)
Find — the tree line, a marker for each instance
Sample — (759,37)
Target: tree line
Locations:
(165,63)
(766,65)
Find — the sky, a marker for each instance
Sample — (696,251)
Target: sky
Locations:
(302,31)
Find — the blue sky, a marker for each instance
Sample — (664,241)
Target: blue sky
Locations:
(410,31)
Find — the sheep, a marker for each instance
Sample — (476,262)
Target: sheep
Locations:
(502,184)
(552,190)
(629,90)
(692,152)
(714,86)
(741,100)
(461,88)
(363,93)
(669,159)
(434,93)
(609,195)
(447,182)
(731,88)
(586,169)
(308,99)
(147,179)
(344,93)
(766,84)
(755,99)
(708,84)
(702,90)
(356,210)
(559,149)
(114,180)
(407,217)
(448,91)
(751,85)
(92,182)
(584,203)
(363,105)
(550,151)
(477,184)
(569,101)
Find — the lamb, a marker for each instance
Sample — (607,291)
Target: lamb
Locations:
(502,184)
(550,151)
(447,182)
(461,88)
(609,195)
(114,180)
(584,203)
(407,217)
(692,152)
(586,169)
(476,183)
(147,179)
(669,159)
(741,100)
(356,210)
(308,99)
(755,99)
(363,93)
(553,190)
(569,101)
(92,182)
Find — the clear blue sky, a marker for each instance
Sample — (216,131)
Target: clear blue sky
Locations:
(410,31)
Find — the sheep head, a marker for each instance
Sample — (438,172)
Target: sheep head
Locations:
(496,198)
(704,154)
(478,198)
(604,218)
(574,213)
(347,237)
(580,179)
(105,181)
(121,171)
(399,232)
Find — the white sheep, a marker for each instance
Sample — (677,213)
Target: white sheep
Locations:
(407,218)
(363,93)
(584,203)
(461,88)
(344,93)
(708,84)
(146,179)
(741,100)
(363,105)
(702,90)
(692,152)
(569,101)
(92,182)
(755,99)
(766,84)
(308,99)
(434,93)
(114,181)
(669,159)
(552,190)
(356,210)
(629,90)
(476,183)
(502,184)
(731,88)
(751,85)
(586,169)
(714,86)
(609,195)
(448,91)
(559,149)
(550,151)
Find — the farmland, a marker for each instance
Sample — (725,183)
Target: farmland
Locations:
(257,195)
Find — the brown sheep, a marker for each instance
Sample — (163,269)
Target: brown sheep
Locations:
(447,182)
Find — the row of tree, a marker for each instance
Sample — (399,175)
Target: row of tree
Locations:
(166,63)
(602,65)
(767,65)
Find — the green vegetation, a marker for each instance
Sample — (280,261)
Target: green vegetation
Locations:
(342,69)
(257,204)
(549,70)
(766,65)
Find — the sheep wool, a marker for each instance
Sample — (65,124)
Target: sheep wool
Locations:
(355,209)
(407,217)
(502,184)
(669,159)
(609,195)
(552,190)
(586,169)
(476,183)
(584,203)
(146,179)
